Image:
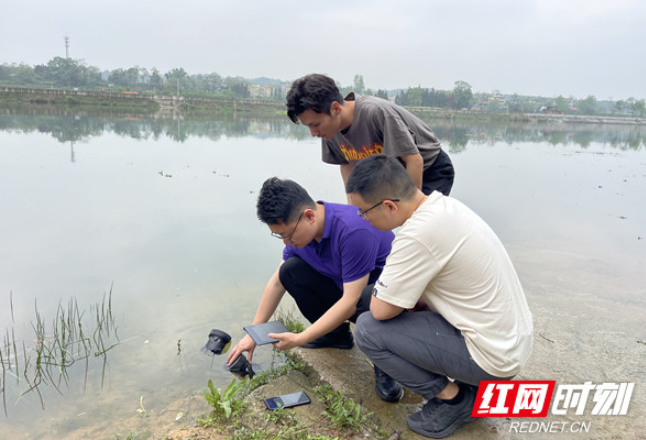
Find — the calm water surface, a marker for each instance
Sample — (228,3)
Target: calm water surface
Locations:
(163,214)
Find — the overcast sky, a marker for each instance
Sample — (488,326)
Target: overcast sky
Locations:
(529,47)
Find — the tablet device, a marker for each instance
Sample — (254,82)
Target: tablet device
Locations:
(259,332)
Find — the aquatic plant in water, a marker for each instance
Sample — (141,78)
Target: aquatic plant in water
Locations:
(59,344)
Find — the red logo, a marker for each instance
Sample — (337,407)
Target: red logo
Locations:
(503,398)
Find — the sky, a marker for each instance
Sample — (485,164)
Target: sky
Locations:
(531,47)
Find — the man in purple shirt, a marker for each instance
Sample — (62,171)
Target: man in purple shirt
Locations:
(330,261)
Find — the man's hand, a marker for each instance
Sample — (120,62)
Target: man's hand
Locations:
(246,344)
(287,340)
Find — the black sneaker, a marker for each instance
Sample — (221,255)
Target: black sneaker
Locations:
(439,420)
(464,384)
(340,338)
(387,388)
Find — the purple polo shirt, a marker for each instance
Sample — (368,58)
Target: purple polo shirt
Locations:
(349,249)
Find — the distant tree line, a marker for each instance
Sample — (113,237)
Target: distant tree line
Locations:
(69,73)
(462,97)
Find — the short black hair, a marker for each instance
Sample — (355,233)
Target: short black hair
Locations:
(380,177)
(314,91)
(281,200)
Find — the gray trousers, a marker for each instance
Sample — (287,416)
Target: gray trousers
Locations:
(420,350)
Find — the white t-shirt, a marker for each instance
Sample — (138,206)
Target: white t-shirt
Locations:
(448,256)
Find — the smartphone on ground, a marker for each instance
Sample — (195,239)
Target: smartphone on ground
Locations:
(287,400)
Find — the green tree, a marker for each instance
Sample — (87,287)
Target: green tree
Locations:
(278,94)
(144,76)
(116,77)
(63,72)
(93,76)
(213,82)
(176,80)
(561,104)
(24,74)
(402,98)
(415,96)
(587,106)
(4,72)
(620,106)
(156,80)
(435,98)
(462,95)
(639,108)
(237,88)
(383,94)
(358,85)
(494,105)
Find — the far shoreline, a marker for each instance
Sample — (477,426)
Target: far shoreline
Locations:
(15,98)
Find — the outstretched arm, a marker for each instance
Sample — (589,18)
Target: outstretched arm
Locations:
(271,297)
(415,167)
(342,310)
(346,169)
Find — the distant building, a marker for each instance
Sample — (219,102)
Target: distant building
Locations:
(260,92)
(549,110)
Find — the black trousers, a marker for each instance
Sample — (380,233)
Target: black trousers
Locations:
(439,176)
(315,293)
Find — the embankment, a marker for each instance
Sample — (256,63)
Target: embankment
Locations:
(34,100)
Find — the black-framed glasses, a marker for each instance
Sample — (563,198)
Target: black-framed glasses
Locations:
(289,237)
(362,214)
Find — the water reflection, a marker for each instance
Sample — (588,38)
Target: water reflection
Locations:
(186,253)
(455,135)
(622,137)
(83,128)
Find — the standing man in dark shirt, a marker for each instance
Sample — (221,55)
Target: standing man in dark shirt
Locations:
(356,127)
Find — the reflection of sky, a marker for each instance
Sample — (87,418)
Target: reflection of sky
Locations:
(455,135)
(187,254)
(561,195)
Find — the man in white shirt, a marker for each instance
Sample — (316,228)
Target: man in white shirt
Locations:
(478,325)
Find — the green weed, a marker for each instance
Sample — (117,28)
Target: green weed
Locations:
(141,410)
(277,416)
(57,347)
(342,412)
(132,436)
(266,376)
(297,432)
(290,320)
(225,403)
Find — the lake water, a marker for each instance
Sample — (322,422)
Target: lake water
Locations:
(162,214)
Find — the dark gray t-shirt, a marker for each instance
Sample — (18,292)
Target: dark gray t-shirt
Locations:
(380,126)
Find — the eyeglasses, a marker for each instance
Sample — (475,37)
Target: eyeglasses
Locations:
(289,237)
(362,214)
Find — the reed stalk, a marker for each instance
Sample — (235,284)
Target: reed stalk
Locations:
(57,347)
